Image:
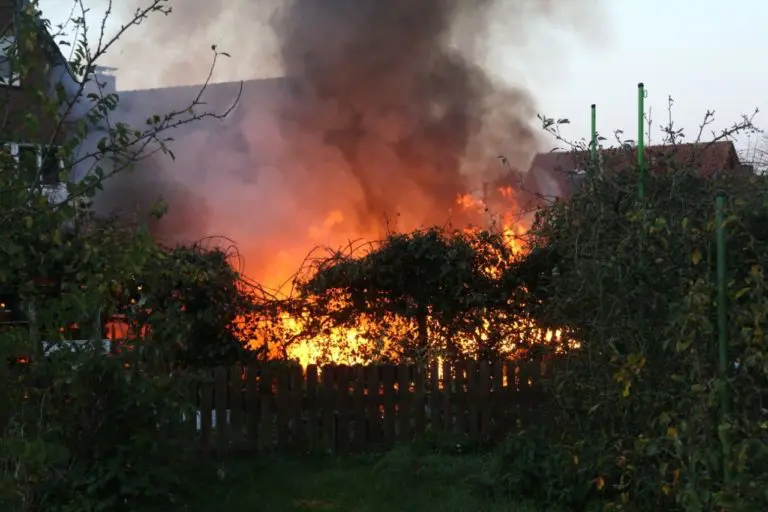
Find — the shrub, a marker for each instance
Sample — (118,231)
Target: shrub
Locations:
(79,431)
(86,434)
(635,413)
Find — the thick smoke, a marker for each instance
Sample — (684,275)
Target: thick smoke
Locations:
(387,113)
(381,83)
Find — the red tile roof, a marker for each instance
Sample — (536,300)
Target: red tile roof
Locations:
(560,169)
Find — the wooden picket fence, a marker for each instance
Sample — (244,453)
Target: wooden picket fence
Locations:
(338,409)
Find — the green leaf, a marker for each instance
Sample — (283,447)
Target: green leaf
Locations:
(696,257)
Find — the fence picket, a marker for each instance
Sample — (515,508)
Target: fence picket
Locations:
(472,398)
(313,419)
(266,434)
(206,412)
(388,402)
(460,394)
(220,401)
(497,400)
(359,438)
(192,418)
(236,405)
(283,409)
(328,405)
(419,402)
(403,428)
(296,425)
(484,398)
(448,413)
(252,406)
(343,409)
(374,433)
(435,400)
(511,413)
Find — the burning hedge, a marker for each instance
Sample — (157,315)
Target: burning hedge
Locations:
(415,296)
(189,297)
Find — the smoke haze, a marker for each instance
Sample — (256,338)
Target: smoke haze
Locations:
(388,112)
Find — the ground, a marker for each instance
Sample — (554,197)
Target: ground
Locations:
(400,481)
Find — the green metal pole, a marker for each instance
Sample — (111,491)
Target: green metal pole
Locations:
(641,139)
(593,140)
(722,329)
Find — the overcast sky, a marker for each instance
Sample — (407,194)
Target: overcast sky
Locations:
(707,54)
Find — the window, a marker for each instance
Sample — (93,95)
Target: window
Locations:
(33,158)
(8,75)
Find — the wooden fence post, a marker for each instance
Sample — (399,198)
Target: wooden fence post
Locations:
(342,418)
(472,400)
(283,402)
(328,405)
(220,400)
(266,419)
(388,401)
(497,404)
(511,412)
(374,431)
(359,432)
(448,385)
(403,432)
(460,395)
(236,414)
(314,433)
(297,425)
(252,406)
(484,397)
(206,411)
(435,400)
(419,399)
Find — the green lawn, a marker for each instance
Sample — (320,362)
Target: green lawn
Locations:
(400,481)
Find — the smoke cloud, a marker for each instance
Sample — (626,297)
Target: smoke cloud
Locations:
(387,112)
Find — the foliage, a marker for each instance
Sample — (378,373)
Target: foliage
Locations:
(191,299)
(635,414)
(420,295)
(80,430)
(85,433)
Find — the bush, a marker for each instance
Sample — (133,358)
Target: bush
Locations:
(85,433)
(416,296)
(635,413)
(79,431)
(83,430)
(192,301)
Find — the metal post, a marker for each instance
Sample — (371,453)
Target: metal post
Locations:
(593,139)
(722,329)
(641,139)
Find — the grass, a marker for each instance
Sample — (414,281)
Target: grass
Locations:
(400,481)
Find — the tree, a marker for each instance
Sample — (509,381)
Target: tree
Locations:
(420,295)
(192,300)
(80,431)
(636,416)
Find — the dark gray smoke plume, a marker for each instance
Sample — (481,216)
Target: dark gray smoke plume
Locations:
(380,82)
(387,111)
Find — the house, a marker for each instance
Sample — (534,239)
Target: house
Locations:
(28,133)
(558,173)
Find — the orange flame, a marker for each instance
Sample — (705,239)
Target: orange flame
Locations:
(348,345)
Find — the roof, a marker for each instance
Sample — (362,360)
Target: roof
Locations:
(49,46)
(214,97)
(559,172)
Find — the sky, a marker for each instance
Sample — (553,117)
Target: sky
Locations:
(705,54)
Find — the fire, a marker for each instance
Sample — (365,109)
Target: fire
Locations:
(341,346)
(284,334)
(350,345)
